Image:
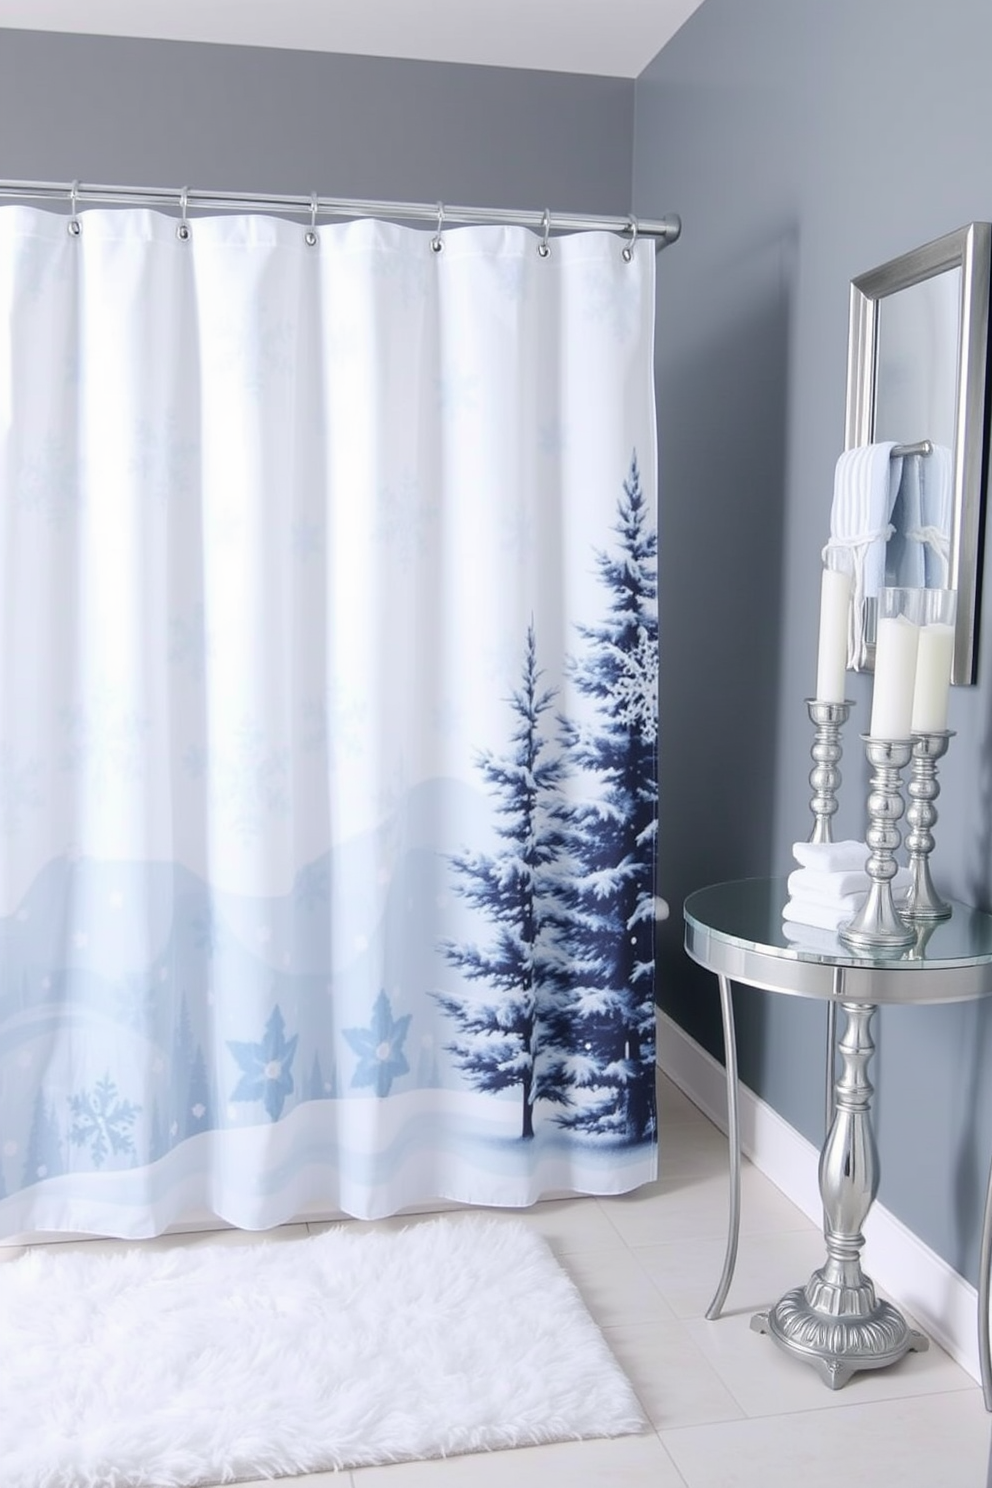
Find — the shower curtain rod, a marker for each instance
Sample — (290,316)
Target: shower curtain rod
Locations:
(664,231)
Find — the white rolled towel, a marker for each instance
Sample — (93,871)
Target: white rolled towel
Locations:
(830,857)
(840,887)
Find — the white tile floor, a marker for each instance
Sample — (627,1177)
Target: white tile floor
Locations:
(727,1408)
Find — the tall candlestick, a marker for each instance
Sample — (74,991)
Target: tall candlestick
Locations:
(897,643)
(831,662)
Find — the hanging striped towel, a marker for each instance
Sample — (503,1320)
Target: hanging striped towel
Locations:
(866,481)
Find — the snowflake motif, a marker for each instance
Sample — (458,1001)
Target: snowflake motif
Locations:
(257,350)
(246,779)
(380,1047)
(50,483)
(339,720)
(104,738)
(509,276)
(265,1067)
(635,690)
(457,393)
(612,300)
(163,459)
(190,645)
(19,790)
(406,521)
(408,275)
(103,1120)
(516,534)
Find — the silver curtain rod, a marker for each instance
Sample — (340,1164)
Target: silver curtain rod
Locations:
(664,231)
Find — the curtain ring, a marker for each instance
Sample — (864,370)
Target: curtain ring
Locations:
(544,247)
(73,227)
(310,236)
(437,242)
(182,231)
(628,252)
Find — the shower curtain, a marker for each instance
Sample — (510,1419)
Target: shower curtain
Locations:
(328,721)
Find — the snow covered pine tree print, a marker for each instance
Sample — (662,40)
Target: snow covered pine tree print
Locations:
(560,1002)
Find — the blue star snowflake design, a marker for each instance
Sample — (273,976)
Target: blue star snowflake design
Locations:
(266,1067)
(380,1047)
(103,1120)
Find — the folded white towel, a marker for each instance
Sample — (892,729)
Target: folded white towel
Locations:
(866,481)
(831,857)
(850,902)
(824,916)
(835,888)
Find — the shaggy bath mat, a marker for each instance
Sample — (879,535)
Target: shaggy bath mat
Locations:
(162,1368)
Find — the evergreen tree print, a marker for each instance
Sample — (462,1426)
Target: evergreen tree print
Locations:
(607,897)
(501,1041)
(44,1155)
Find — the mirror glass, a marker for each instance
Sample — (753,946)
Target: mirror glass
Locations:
(916,381)
(917,376)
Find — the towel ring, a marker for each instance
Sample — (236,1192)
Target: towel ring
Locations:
(310,236)
(74,227)
(182,231)
(627,253)
(437,242)
(544,247)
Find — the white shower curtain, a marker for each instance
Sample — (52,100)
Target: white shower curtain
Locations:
(328,643)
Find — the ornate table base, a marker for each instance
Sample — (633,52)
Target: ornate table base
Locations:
(835,1322)
(838,1344)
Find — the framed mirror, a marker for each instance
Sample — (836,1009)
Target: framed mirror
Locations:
(918,375)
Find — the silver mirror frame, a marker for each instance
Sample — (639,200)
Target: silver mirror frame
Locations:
(970,249)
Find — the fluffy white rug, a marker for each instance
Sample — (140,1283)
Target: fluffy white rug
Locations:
(211,1363)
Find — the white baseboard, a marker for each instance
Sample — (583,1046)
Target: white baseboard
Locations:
(943,1303)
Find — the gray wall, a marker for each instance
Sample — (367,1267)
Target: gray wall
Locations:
(803,144)
(161,113)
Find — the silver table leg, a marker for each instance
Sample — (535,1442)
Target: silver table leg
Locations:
(984,1353)
(734,1141)
(836,1322)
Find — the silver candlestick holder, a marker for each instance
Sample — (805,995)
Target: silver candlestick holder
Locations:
(877,926)
(828,719)
(922,901)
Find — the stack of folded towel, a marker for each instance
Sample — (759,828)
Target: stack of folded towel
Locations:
(831,884)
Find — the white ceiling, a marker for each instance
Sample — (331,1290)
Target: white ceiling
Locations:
(615,38)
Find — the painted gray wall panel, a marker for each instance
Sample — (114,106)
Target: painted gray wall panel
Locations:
(134,112)
(803,144)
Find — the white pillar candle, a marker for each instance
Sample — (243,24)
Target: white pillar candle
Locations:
(933,679)
(831,660)
(896,646)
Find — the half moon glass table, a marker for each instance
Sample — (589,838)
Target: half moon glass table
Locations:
(835,1322)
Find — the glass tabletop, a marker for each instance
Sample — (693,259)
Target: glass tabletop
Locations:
(737,928)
